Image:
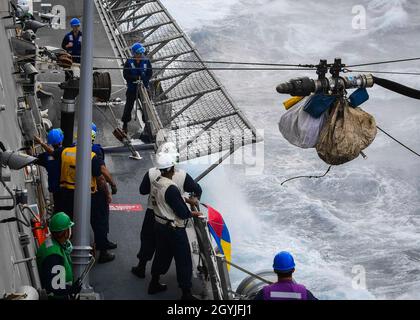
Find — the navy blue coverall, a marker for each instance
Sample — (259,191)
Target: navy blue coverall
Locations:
(134,71)
(52,166)
(99,218)
(76,50)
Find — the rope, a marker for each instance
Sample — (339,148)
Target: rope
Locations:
(213,68)
(387,72)
(267,63)
(383,62)
(309,177)
(211,62)
(329,168)
(279,66)
(399,142)
(247,272)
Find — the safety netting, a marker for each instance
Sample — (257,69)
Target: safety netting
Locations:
(193,109)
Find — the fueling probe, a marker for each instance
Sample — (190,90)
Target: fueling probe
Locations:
(304,86)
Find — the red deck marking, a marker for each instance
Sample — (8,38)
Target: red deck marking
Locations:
(126,207)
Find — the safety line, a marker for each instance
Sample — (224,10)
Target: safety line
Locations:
(387,72)
(382,62)
(399,142)
(309,177)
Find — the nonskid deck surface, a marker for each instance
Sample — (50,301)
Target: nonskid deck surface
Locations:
(114,280)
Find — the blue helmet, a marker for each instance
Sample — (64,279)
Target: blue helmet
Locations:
(55,137)
(283,262)
(94,128)
(137,48)
(75,22)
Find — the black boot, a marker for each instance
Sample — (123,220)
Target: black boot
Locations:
(125,127)
(105,256)
(155,286)
(111,245)
(187,295)
(140,269)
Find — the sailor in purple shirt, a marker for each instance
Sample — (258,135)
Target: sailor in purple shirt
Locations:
(285,288)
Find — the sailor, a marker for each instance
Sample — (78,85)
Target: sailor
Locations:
(100,220)
(72,41)
(67,158)
(135,69)
(55,140)
(185,183)
(171,215)
(54,261)
(285,288)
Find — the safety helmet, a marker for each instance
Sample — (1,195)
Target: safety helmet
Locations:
(283,262)
(165,161)
(60,222)
(93,135)
(137,48)
(75,22)
(55,137)
(94,128)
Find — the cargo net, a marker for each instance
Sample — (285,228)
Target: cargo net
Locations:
(194,110)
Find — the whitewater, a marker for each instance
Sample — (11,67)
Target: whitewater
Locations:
(365,214)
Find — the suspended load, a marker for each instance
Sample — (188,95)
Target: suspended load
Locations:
(327,119)
(300,128)
(347,132)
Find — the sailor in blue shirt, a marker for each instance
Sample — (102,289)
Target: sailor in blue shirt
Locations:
(100,217)
(72,41)
(55,139)
(136,68)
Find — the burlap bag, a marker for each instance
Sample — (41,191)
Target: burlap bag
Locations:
(345,134)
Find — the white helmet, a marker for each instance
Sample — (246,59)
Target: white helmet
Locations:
(169,148)
(165,161)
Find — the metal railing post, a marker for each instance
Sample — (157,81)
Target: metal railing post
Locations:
(224,277)
(82,199)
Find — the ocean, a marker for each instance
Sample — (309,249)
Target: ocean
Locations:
(354,233)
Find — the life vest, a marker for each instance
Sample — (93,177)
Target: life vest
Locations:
(153,175)
(68,170)
(50,247)
(178,178)
(163,212)
(285,290)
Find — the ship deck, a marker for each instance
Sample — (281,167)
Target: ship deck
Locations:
(114,280)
